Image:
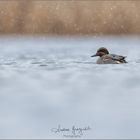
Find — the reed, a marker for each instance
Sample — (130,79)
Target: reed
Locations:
(70,17)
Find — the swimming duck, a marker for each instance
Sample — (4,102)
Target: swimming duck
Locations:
(106,58)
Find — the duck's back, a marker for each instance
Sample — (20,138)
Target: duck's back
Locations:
(111,59)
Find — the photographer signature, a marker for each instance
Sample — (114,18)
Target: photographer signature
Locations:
(71,132)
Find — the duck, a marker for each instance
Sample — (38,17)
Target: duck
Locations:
(106,58)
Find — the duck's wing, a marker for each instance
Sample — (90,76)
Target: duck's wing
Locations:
(115,57)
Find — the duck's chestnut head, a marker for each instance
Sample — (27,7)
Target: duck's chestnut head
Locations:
(100,52)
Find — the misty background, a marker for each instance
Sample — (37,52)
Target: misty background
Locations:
(70,17)
(47,77)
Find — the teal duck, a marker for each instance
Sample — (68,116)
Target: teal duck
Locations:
(106,58)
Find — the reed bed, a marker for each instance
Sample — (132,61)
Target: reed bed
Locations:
(70,17)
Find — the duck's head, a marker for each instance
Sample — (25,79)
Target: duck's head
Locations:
(100,52)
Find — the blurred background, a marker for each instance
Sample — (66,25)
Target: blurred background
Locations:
(70,17)
(47,77)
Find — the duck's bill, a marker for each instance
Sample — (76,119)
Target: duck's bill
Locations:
(94,55)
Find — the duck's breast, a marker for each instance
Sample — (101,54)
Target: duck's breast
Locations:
(100,61)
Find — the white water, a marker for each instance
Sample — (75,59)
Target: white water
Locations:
(46,82)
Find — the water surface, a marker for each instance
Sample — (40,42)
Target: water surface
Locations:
(50,81)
